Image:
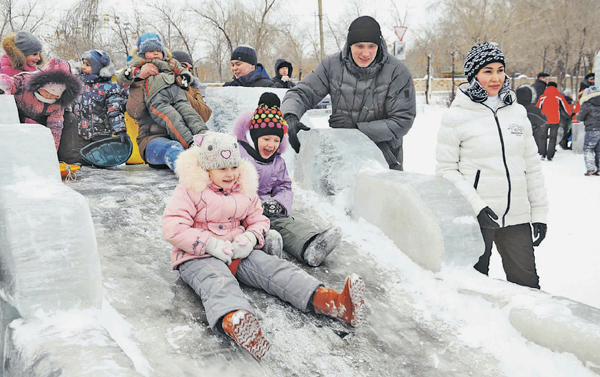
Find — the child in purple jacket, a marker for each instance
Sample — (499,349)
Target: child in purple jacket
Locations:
(268,131)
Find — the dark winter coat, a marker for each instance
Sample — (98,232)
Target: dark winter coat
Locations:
(273,179)
(585,83)
(99,110)
(525,95)
(32,110)
(553,104)
(14,61)
(539,86)
(392,112)
(589,113)
(280,63)
(255,79)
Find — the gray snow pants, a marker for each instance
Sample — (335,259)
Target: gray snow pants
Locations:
(295,234)
(220,292)
(171,109)
(515,246)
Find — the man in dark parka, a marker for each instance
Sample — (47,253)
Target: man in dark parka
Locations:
(361,70)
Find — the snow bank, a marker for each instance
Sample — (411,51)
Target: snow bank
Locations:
(48,265)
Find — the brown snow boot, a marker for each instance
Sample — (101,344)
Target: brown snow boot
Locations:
(244,328)
(347,306)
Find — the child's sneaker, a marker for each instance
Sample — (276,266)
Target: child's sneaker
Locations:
(243,327)
(321,246)
(348,306)
(273,243)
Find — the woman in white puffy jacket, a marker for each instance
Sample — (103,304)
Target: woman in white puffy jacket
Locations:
(486,148)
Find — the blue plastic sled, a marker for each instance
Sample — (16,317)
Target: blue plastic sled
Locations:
(107,152)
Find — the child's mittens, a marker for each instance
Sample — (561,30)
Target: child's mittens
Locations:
(6,84)
(271,208)
(243,245)
(220,249)
(183,81)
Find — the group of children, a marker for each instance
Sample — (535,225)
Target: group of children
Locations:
(230,217)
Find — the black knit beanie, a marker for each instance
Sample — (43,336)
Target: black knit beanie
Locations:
(267,118)
(364,29)
(245,54)
(182,57)
(481,55)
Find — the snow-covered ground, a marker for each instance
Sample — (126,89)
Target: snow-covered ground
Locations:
(568,260)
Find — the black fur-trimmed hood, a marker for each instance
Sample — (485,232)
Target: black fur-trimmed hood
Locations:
(57,71)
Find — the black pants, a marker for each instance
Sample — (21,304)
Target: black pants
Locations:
(547,141)
(515,245)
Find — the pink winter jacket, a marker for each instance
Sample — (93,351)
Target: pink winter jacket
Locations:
(7,68)
(199,210)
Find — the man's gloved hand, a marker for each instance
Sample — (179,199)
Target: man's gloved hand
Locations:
(294,125)
(340,120)
(123,135)
(243,245)
(539,232)
(220,249)
(485,219)
(271,208)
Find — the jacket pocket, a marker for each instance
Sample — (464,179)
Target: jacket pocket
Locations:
(476,183)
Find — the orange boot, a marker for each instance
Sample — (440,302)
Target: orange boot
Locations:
(244,328)
(347,306)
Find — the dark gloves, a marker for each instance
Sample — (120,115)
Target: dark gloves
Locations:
(123,135)
(294,125)
(339,120)
(539,232)
(485,219)
(271,208)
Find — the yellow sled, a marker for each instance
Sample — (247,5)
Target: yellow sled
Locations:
(68,171)
(132,131)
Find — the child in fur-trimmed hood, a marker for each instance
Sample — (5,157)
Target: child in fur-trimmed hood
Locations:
(23,53)
(42,97)
(215,223)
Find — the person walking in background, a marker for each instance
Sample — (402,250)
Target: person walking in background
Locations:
(589,114)
(215,223)
(268,132)
(486,149)
(246,69)
(371,91)
(554,106)
(525,96)
(588,80)
(283,74)
(22,53)
(540,85)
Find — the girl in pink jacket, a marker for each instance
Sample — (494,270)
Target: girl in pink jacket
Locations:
(215,223)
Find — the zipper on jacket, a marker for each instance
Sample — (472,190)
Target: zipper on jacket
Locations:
(476,183)
(505,168)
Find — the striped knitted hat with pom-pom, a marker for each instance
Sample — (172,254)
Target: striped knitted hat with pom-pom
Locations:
(267,118)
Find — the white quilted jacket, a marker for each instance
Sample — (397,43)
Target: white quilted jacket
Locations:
(492,159)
